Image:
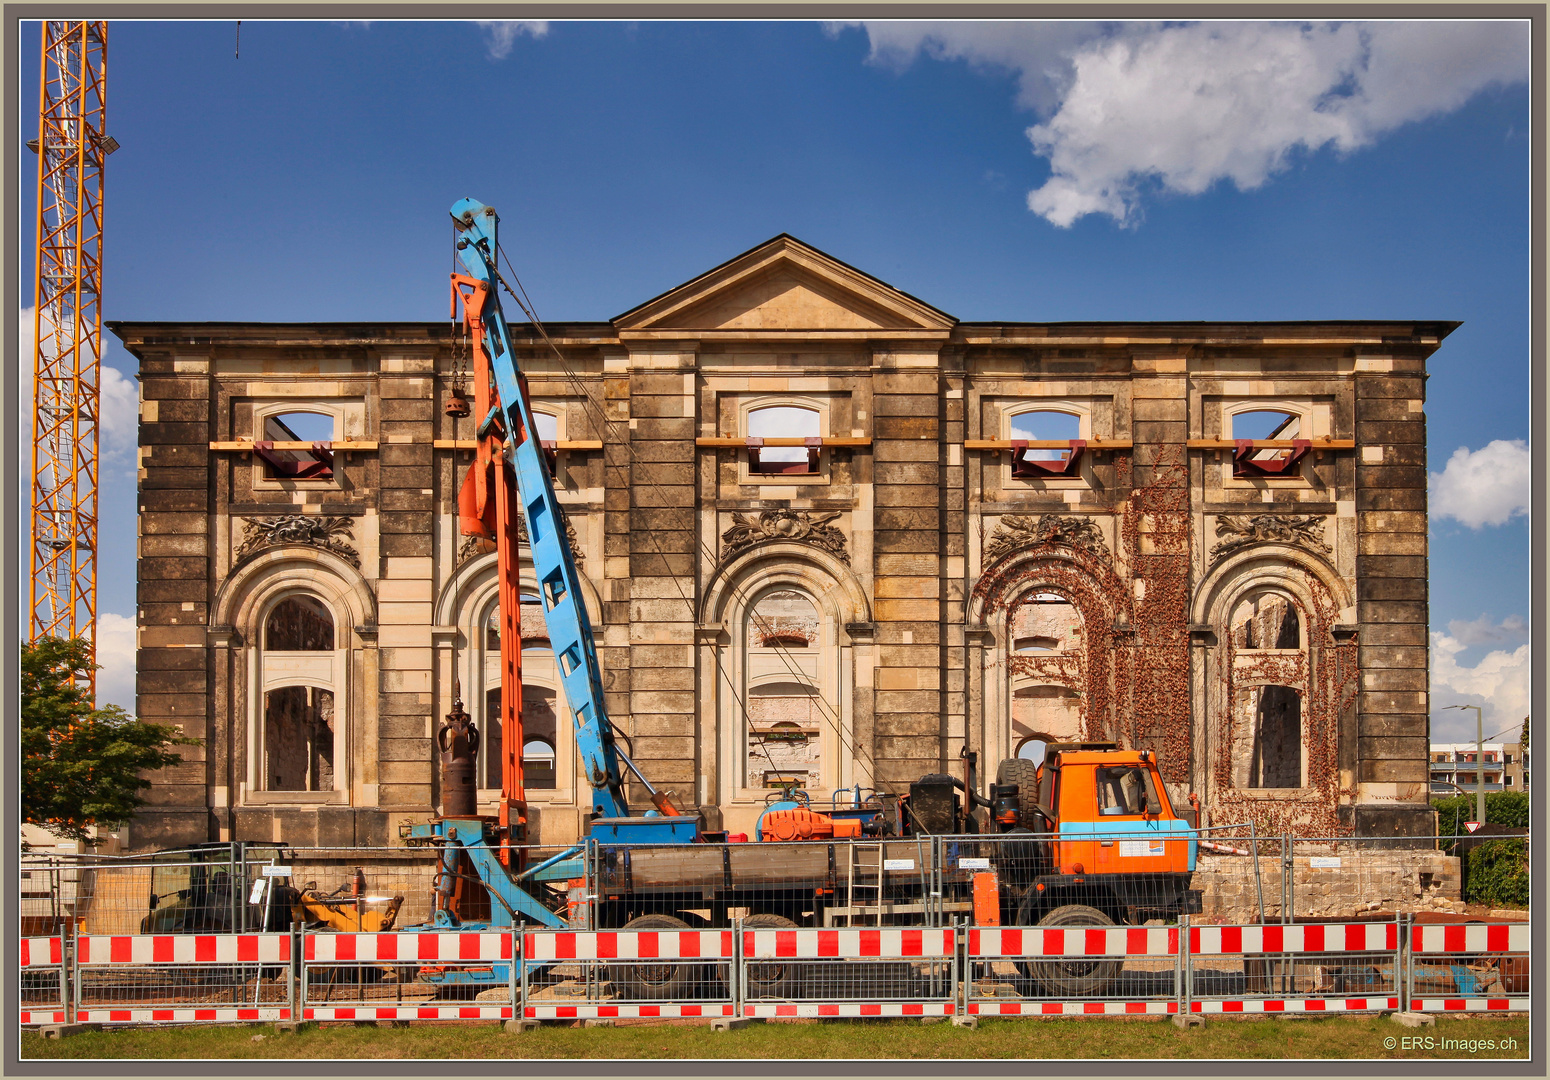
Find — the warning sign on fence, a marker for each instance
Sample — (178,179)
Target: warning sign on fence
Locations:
(1471,825)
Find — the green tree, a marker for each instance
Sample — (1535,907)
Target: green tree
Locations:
(81,765)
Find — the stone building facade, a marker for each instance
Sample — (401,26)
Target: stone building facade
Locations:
(910,583)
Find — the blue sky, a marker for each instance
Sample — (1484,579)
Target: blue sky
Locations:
(1021,171)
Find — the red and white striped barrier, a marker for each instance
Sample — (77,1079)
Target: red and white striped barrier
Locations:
(40,954)
(1299,1005)
(450,1011)
(901,944)
(768,1009)
(1294,938)
(448,947)
(598,1011)
(102,949)
(1470,938)
(189,1015)
(1478,1004)
(1048,941)
(1072,1008)
(627,945)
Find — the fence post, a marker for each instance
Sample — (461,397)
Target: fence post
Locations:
(960,969)
(70,969)
(1404,962)
(1184,990)
(736,974)
(1259,888)
(1287,897)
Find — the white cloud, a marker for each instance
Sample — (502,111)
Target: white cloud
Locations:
(1131,107)
(1483,631)
(116,655)
(1499,683)
(1483,487)
(501,34)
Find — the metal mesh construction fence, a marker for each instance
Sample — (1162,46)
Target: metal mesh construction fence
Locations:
(169,978)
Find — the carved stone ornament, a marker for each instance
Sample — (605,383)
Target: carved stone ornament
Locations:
(1017,531)
(478,545)
(796,525)
(1240,531)
(299,529)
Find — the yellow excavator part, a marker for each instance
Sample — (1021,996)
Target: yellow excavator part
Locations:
(347,914)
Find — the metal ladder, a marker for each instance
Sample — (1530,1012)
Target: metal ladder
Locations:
(857,853)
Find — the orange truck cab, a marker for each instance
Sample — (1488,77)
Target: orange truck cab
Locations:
(1113,839)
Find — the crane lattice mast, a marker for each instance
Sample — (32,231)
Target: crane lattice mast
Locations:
(67,325)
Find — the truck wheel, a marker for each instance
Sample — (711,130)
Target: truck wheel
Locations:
(1072,978)
(654,982)
(1022,772)
(772,980)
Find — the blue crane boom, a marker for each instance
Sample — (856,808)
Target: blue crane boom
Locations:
(570,630)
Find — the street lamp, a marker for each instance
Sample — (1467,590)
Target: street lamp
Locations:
(1479,761)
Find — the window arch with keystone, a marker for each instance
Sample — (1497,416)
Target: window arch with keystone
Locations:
(298,671)
(1049,441)
(787,710)
(1272,438)
(296,440)
(801,423)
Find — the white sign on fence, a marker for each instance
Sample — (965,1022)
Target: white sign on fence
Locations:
(898,864)
(1324,862)
(257,895)
(974,864)
(277,871)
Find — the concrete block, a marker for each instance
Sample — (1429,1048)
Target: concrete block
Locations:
(728,1023)
(517,1027)
(597,1022)
(1413,1019)
(1188,1020)
(970,1022)
(60,1031)
(933,1019)
(290,1027)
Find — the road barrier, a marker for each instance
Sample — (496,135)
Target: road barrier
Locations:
(1072,971)
(1469,968)
(1295,967)
(608,974)
(406,976)
(183,978)
(761,971)
(43,996)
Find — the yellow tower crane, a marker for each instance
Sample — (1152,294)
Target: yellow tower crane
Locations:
(67,330)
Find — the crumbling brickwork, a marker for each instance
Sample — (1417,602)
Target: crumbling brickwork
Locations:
(924,545)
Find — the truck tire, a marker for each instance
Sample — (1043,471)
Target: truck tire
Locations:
(772,980)
(654,982)
(1022,773)
(1072,978)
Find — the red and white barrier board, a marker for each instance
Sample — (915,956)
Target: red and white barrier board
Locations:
(1299,1005)
(40,954)
(189,1015)
(769,1009)
(895,944)
(1072,1008)
(1470,938)
(99,949)
(450,1011)
(627,945)
(1294,938)
(598,1011)
(448,947)
(1477,1004)
(1042,941)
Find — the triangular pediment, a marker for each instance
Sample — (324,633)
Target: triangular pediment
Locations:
(784,285)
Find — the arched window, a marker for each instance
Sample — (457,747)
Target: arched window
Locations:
(784,422)
(296,464)
(1269,678)
(1261,425)
(538,764)
(299,623)
(786,710)
(297,732)
(1045,425)
(1044,669)
(540,715)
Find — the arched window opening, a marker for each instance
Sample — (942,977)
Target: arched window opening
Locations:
(1032,749)
(1035,644)
(1043,426)
(1267,752)
(299,623)
(1266,621)
(538,765)
(299,739)
(784,422)
(1255,426)
(313,463)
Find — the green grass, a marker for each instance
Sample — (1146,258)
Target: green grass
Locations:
(1235,1037)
